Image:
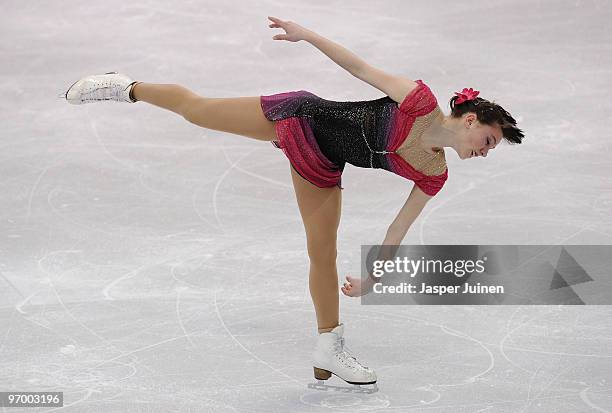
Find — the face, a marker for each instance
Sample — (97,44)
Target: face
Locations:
(478,139)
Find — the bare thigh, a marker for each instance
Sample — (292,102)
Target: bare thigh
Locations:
(320,209)
(240,116)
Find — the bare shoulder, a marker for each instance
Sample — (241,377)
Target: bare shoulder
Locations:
(396,87)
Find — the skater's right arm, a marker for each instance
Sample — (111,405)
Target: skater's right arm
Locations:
(339,54)
(396,87)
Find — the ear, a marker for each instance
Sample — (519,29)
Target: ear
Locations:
(469,119)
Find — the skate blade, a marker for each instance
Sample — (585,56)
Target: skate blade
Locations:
(355,388)
(65,94)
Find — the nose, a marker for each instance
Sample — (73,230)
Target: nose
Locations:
(484,151)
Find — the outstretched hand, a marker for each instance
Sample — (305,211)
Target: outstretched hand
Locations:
(293,31)
(356,287)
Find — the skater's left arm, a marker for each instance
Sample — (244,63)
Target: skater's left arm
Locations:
(411,209)
(355,286)
(401,224)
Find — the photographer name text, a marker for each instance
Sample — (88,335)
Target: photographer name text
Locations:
(408,288)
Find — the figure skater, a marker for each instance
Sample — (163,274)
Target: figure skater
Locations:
(404,132)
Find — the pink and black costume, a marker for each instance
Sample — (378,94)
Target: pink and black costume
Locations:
(320,136)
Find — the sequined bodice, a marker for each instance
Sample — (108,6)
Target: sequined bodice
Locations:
(358,132)
(346,130)
(375,133)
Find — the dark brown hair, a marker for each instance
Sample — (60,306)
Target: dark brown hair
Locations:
(489,113)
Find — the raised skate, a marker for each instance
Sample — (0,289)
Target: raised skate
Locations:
(95,88)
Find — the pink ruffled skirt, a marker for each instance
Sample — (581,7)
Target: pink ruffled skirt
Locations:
(297,141)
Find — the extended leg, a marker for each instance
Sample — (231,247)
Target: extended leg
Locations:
(241,116)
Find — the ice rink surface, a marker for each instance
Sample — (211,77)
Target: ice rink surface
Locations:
(147,264)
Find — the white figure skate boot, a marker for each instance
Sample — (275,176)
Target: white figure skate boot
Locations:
(330,357)
(94,88)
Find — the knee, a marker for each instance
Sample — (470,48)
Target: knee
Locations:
(192,107)
(322,254)
(188,110)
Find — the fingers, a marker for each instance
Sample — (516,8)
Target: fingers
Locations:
(348,284)
(347,287)
(277,24)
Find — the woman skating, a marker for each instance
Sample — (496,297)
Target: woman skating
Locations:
(404,133)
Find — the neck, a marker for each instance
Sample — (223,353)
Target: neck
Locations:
(442,134)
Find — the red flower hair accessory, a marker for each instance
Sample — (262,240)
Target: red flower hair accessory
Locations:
(466,94)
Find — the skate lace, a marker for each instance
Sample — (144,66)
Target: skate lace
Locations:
(344,352)
(112,91)
(103,93)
